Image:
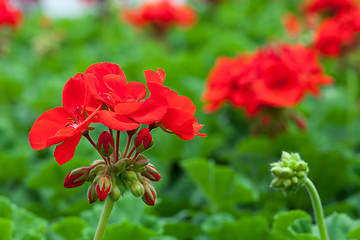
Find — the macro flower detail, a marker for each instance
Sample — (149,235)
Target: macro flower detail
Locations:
(103,187)
(76,178)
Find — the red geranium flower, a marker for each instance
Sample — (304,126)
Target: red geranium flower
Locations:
(339,33)
(64,124)
(161,14)
(9,15)
(127,108)
(179,118)
(273,77)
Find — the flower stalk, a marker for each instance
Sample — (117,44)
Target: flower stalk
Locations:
(318,210)
(105,214)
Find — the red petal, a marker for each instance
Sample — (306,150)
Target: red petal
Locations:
(152,110)
(73,97)
(102,69)
(127,107)
(180,123)
(117,122)
(136,90)
(46,126)
(152,76)
(66,150)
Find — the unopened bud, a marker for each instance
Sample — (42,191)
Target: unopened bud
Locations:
(76,178)
(151,173)
(143,140)
(103,187)
(137,189)
(141,161)
(115,193)
(92,193)
(121,165)
(130,176)
(290,173)
(149,196)
(105,144)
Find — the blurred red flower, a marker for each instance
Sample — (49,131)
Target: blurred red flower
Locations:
(292,24)
(335,35)
(9,15)
(160,14)
(272,77)
(329,6)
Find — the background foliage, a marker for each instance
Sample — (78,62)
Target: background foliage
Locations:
(212,188)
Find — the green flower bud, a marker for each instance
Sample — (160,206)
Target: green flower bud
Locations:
(290,173)
(115,193)
(137,189)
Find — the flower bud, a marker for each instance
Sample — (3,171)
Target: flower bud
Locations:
(103,187)
(140,161)
(92,193)
(149,196)
(115,193)
(121,165)
(130,176)
(290,173)
(151,173)
(137,189)
(105,144)
(143,140)
(76,178)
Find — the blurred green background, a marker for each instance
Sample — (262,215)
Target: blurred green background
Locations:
(211,188)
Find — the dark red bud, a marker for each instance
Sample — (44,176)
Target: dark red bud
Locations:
(103,187)
(143,140)
(149,197)
(105,144)
(92,194)
(151,173)
(76,178)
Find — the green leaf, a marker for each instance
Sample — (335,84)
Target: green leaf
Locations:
(182,230)
(6,227)
(339,225)
(222,186)
(128,231)
(5,208)
(288,224)
(70,227)
(354,234)
(254,228)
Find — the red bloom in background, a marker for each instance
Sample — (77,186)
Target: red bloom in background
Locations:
(292,24)
(273,77)
(9,15)
(339,33)
(161,14)
(179,117)
(64,124)
(329,6)
(127,108)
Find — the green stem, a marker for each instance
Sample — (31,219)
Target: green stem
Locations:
(105,214)
(319,214)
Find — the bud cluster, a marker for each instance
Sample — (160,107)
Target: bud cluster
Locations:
(290,173)
(113,177)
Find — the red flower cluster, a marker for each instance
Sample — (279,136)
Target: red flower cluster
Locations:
(9,15)
(272,77)
(103,95)
(338,34)
(160,14)
(329,6)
